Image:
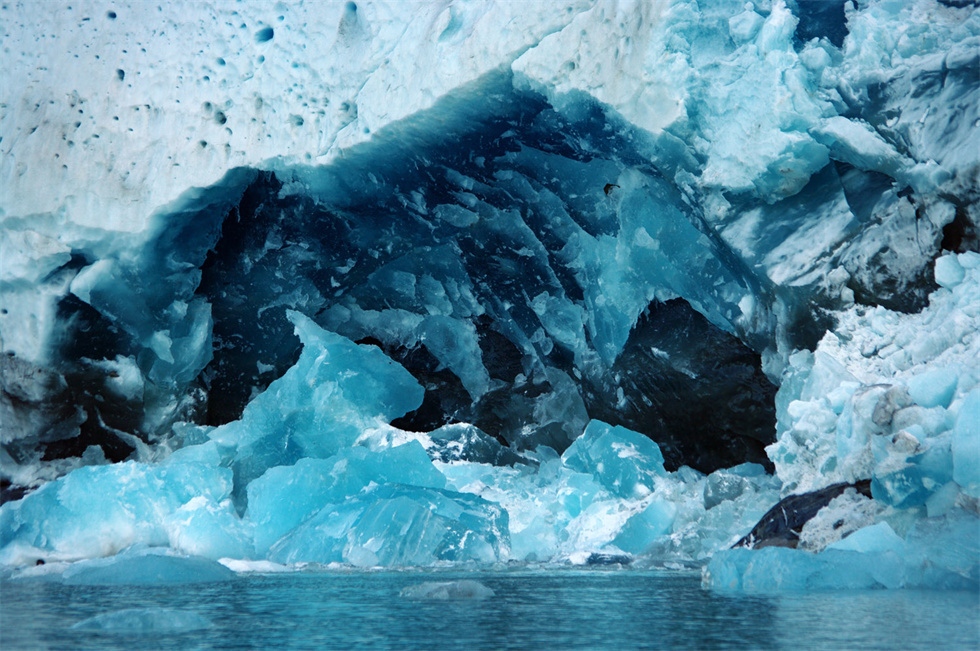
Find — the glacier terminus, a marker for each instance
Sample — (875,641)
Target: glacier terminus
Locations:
(474,289)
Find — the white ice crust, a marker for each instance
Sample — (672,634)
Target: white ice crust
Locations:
(112,114)
(105,119)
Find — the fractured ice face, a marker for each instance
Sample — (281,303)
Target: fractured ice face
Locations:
(389,355)
(504,242)
(504,277)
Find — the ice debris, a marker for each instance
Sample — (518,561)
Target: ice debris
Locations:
(892,399)
(464,589)
(144,621)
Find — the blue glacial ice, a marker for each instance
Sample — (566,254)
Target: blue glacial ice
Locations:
(625,463)
(396,525)
(936,553)
(494,284)
(286,496)
(146,566)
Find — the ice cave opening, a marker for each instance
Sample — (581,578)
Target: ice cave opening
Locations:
(526,267)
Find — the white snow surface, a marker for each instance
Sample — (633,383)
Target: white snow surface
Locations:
(105,119)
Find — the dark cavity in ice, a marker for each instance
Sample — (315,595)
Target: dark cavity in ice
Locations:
(462,259)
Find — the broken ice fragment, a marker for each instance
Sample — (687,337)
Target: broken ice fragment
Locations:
(285,496)
(396,525)
(623,461)
(447,590)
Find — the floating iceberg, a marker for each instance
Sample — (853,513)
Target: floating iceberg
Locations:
(447,590)
(144,621)
(150,566)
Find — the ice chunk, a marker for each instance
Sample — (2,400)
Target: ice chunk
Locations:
(945,552)
(917,476)
(744,26)
(938,553)
(208,453)
(465,589)
(265,567)
(98,510)
(949,272)
(623,461)
(966,445)
(152,566)
(548,507)
(144,621)
(395,525)
(935,387)
(285,496)
(859,144)
(465,442)
(642,529)
(335,392)
(205,528)
(721,486)
(776,569)
(875,538)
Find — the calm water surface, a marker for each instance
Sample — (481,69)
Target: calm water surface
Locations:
(531,609)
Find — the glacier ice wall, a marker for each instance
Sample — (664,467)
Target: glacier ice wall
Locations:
(290,244)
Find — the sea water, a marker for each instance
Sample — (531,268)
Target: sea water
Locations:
(529,608)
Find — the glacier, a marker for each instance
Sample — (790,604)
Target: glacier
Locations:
(362,284)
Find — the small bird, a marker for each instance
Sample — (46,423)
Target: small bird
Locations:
(609,187)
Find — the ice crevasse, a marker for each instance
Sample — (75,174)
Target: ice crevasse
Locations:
(397,284)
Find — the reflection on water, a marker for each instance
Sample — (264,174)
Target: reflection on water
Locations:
(530,609)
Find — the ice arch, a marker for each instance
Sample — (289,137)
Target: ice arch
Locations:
(527,266)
